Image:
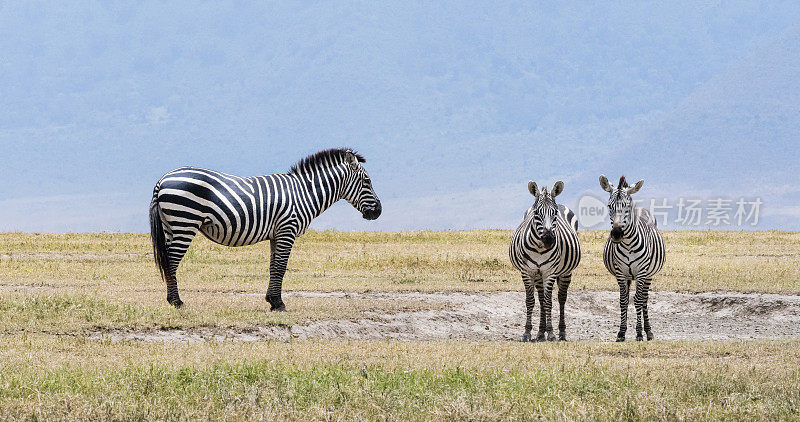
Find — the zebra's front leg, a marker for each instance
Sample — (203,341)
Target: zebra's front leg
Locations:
(645,297)
(624,295)
(279,258)
(548,305)
(542,315)
(529,303)
(563,285)
(638,302)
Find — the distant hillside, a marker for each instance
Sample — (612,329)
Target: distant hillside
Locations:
(445,101)
(744,122)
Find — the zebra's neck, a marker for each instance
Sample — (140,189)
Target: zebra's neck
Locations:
(321,187)
(634,230)
(534,239)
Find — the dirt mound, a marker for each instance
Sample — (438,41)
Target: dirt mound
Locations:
(591,315)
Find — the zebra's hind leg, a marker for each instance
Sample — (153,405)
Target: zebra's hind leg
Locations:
(529,303)
(563,285)
(176,248)
(624,297)
(279,258)
(173,298)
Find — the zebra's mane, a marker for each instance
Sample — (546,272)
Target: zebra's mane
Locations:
(321,156)
(621,185)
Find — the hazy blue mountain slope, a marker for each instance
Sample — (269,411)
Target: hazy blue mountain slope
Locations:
(744,122)
(443,99)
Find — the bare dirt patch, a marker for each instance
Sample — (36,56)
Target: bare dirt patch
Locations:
(591,315)
(67,256)
(279,332)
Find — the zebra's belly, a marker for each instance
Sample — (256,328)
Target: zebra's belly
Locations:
(624,268)
(213,233)
(541,265)
(632,268)
(217,235)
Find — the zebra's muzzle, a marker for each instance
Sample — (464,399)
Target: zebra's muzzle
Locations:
(548,239)
(616,234)
(372,213)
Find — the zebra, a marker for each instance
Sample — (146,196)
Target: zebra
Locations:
(545,249)
(634,251)
(237,211)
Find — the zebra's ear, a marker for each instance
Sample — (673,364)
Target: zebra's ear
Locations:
(605,185)
(351,159)
(557,189)
(533,189)
(635,187)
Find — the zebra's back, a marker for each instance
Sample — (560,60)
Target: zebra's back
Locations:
(230,210)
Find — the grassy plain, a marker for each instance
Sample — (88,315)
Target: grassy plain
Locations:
(767,261)
(45,377)
(56,289)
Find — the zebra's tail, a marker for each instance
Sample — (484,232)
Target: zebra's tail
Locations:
(157,236)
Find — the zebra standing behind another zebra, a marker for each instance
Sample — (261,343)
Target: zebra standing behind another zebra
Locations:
(545,249)
(634,251)
(237,211)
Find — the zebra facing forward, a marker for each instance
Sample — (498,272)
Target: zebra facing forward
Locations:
(634,252)
(237,211)
(545,249)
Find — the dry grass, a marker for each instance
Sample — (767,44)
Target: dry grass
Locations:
(66,283)
(57,289)
(422,261)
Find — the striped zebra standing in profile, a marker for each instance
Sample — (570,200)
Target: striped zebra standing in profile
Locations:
(545,249)
(237,211)
(634,252)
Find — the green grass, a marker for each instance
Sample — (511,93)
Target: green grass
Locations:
(47,378)
(84,314)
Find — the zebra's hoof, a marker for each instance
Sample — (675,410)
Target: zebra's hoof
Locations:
(562,337)
(526,337)
(540,337)
(639,338)
(620,339)
(275,304)
(551,338)
(177,303)
(649,335)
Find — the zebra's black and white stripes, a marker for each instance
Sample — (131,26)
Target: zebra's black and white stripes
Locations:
(237,211)
(545,249)
(634,251)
